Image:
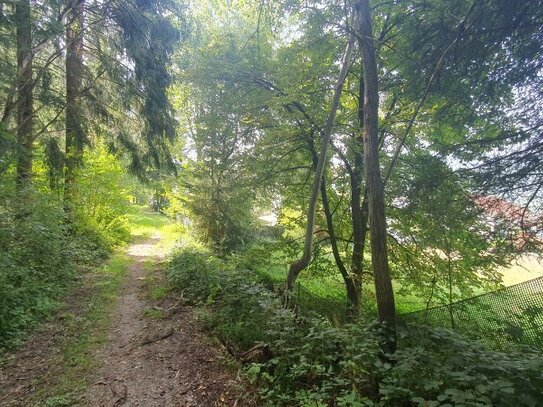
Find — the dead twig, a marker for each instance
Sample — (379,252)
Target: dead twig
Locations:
(153,340)
(156,307)
(176,304)
(149,341)
(172,307)
(120,396)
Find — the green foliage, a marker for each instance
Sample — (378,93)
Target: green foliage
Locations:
(196,273)
(236,305)
(253,89)
(161,23)
(102,201)
(317,364)
(221,211)
(443,247)
(40,255)
(37,262)
(256,90)
(125,80)
(436,367)
(340,366)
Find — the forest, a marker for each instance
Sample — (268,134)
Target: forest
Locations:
(271,203)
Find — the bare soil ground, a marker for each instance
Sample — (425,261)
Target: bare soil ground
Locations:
(155,353)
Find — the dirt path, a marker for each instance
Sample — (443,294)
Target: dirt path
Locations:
(158,362)
(155,353)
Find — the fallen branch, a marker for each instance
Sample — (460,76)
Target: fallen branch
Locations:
(172,307)
(149,341)
(176,304)
(153,340)
(257,354)
(121,397)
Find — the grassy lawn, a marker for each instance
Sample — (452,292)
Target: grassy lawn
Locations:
(527,268)
(326,293)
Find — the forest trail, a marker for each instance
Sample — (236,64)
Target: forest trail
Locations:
(156,356)
(153,353)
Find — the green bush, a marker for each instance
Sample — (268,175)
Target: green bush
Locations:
(242,310)
(35,263)
(106,229)
(195,272)
(237,305)
(39,254)
(39,259)
(102,200)
(317,364)
(436,367)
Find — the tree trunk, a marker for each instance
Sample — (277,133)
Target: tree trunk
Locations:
(359,210)
(374,184)
(353,294)
(74,78)
(449,277)
(297,266)
(24,94)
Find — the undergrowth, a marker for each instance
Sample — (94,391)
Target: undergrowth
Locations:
(39,259)
(41,256)
(318,364)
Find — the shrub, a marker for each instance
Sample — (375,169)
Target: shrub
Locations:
(39,259)
(35,264)
(237,306)
(317,364)
(102,198)
(242,310)
(196,273)
(437,367)
(105,229)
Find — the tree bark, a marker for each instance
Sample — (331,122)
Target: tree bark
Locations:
(374,184)
(74,80)
(359,210)
(297,266)
(449,278)
(353,294)
(24,94)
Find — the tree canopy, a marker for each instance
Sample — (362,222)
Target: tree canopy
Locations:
(397,146)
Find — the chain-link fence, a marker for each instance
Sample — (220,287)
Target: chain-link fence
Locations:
(503,318)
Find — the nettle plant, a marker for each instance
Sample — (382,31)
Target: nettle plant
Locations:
(436,367)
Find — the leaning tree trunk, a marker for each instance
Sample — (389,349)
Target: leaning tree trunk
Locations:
(24,94)
(374,184)
(74,80)
(297,266)
(353,294)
